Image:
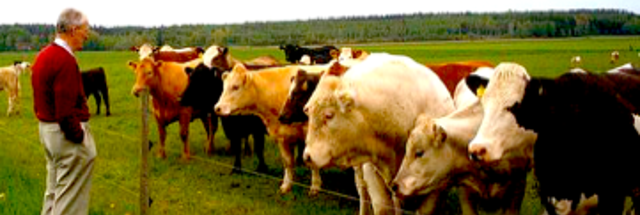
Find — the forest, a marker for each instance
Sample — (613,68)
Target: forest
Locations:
(344,30)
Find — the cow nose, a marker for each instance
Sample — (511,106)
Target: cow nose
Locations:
(477,152)
(218,109)
(394,187)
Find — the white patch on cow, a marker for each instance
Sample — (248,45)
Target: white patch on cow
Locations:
(484,72)
(209,54)
(305,60)
(188,49)
(463,96)
(345,54)
(166,48)
(617,69)
(636,122)
(577,70)
(145,50)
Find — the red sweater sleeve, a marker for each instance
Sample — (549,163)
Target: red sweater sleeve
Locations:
(66,90)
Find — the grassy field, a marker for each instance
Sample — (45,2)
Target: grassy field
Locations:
(204,185)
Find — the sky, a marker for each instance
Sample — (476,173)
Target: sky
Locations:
(110,13)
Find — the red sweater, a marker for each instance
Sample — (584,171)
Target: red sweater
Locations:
(57,90)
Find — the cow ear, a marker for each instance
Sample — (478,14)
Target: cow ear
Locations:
(239,68)
(223,50)
(225,75)
(158,63)
(346,100)
(356,53)
(440,135)
(134,48)
(189,70)
(132,65)
(476,84)
(336,69)
(334,54)
(156,49)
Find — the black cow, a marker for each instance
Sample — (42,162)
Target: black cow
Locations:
(95,83)
(586,141)
(203,92)
(320,55)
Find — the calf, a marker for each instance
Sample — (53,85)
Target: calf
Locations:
(94,82)
(615,55)
(10,82)
(203,92)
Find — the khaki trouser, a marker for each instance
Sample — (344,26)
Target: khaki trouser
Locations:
(69,170)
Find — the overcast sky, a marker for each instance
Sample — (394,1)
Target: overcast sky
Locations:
(155,13)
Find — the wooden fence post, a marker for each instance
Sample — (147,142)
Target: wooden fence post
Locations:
(144,169)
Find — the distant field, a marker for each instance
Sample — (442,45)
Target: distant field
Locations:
(202,186)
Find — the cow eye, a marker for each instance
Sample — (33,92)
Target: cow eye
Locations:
(328,115)
(419,153)
(235,87)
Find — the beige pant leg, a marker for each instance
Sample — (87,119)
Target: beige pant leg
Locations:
(73,169)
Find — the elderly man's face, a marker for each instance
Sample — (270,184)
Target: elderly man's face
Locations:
(79,35)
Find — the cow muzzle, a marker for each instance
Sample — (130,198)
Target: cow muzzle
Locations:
(478,152)
(136,91)
(222,110)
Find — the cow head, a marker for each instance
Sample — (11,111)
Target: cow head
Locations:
(292,53)
(238,93)
(217,56)
(145,50)
(428,162)
(22,67)
(302,86)
(333,121)
(146,72)
(205,87)
(499,133)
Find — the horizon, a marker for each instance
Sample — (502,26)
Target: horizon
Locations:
(191,12)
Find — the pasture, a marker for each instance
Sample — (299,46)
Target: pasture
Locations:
(204,185)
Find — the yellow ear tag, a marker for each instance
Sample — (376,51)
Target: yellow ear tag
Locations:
(480,91)
(200,55)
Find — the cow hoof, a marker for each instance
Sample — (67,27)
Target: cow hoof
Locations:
(262,168)
(162,155)
(108,114)
(285,189)
(236,171)
(314,192)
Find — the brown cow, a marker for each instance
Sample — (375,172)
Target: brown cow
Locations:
(218,56)
(166,81)
(451,73)
(262,93)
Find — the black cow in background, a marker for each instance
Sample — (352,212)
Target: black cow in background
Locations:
(95,83)
(319,55)
(203,92)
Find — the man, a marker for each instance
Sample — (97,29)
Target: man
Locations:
(61,108)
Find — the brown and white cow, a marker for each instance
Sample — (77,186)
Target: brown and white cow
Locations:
(262,93)
(167,53)
(9,81)
(219,56)
(166,81)
(615,55)
(347,53)
(362,120)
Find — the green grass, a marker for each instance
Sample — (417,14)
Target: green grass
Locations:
(201,186)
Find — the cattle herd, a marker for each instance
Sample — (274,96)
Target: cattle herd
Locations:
(412,132)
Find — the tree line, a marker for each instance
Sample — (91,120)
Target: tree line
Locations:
(348,29)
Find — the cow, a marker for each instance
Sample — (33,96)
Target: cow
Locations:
(94,82)
(576,61)
(586,109)
(219,56)
(168,54)
(436,160)
(347,53)
(319,55)
(9,81)
(302,86)
(262,93)
(166,81)
(203,92)
(362,120)
(615,55)
(451,73)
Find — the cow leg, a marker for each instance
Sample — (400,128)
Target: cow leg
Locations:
(361,185)
(210,123)
(466,204)
(431,204)
(247,147)
(162,132)
(185,119)
(316,181)
(286,151)
(105,95)
(515,194)
(299,159)
(258,144)
(236,149)
(96,95)
(381,198)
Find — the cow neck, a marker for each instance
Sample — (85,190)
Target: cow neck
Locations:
(168,90)
(271,96)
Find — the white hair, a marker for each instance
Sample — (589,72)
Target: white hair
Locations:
(69,17)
